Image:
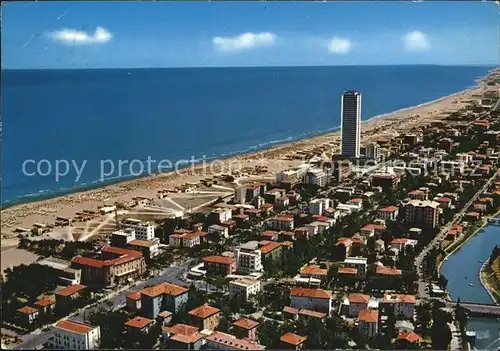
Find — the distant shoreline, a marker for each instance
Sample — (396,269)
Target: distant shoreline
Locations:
(493,66)
(96,184)
(277,157)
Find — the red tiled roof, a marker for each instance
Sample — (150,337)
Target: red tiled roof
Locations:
(291,310)
(86,261)
(347,270)
(445,199)
(358,298)
(75,327)
(293,339)
(314,314)
(399,241)
(369,316)
(246,323)
(165,314)
(410,337)
(373,227)
(164,288)
(399,298)
(70,290)
(138,322)
(344,241)
(120,251)
(183,329)
(267,206)
(314,269)
(219,259)
(389,209)
(45,302)
(233,342)
(136,295)
(269,233)
(312,293)
(284,219)
(142,243)
(204,311)
(27,310)
(269,247)
(387,271)
(186,339)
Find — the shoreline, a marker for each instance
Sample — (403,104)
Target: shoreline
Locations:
(97,184)
(276,157)
(491,290)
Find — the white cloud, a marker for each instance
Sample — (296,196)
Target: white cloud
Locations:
(416,41)
(75,37)
(244,41)
(338,45)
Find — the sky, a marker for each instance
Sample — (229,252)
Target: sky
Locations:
(100,34)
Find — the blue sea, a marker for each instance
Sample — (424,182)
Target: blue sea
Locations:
(184,113)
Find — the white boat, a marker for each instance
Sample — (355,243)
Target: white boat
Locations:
(470,284)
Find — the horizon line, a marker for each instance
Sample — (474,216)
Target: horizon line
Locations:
(271,66)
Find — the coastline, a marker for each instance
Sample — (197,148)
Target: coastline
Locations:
(494,294)
(276,157)
(266,146)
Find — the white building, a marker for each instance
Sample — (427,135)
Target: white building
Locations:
(244,288)
(316,176)
(359,263)
(399,243)
(221,214)
(317,206)
(248,258)
(280,223)
(290,175)
(351,123)
(240,195)
(185,240)
(223,232)
(312,299)
(373,152)
(71,335)
(143,230)
(403,305)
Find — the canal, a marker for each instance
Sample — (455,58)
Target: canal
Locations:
(462,271)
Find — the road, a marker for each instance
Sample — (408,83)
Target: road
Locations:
(171,275)
(442,234)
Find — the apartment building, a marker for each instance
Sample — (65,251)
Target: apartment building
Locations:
(163,297)
(244,288)
(368,323)
(248,258)
(143,230)
(220,265)
(116,266)
(359,263)
(421,213)
(205,317)
(311,299)
(71,335)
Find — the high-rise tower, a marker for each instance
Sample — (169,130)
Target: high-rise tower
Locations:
(351,124)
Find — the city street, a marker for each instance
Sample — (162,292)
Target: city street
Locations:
(442,234)
(171,275)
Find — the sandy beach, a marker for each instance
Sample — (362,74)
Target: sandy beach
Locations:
(275,158)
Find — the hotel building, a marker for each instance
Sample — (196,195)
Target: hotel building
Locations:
(351,124)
